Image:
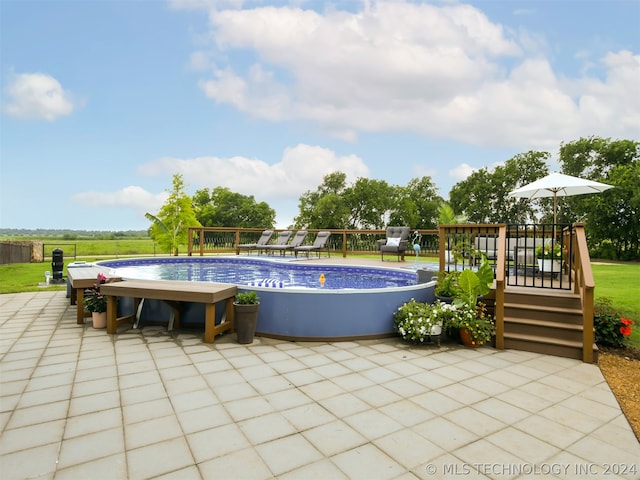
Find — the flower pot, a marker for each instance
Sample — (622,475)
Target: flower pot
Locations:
(246,318)
(467,340)
(99,319)
(549,266)
(448,257)
(448,300)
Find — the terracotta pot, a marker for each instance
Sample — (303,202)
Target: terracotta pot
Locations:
(467,341)
(99,319)
(246,318)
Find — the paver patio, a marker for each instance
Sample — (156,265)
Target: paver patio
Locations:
(77,403)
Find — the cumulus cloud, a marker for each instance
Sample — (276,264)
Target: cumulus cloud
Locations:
(132,197)
(300,168)
(461,172)
(444,71)
(37,96)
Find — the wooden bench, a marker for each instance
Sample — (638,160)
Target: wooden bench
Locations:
(173,293)
(81,279)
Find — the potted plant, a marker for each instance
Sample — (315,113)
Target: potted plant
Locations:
(417,322)
(476,327)
(473,285)
(96,303)
(447,216)
(447,286)
(246,307)
(549,257)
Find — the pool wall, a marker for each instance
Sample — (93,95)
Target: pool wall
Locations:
(333,315)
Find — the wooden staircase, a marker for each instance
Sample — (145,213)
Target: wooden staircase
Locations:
(544,321)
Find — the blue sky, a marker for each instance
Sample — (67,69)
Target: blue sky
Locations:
(102,102)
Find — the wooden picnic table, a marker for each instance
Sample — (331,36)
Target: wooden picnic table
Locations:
(81,279)
(173,293)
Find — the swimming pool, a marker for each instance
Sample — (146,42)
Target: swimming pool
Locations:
(242,271)
(354,302)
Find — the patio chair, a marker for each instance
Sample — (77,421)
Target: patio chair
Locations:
(262,241)
(319,244)
(297,240)
(396,242)
(282,240)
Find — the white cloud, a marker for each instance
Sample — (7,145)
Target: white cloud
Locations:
(131,197)
(38,96)
(441,71)
(461,172)
(301,168)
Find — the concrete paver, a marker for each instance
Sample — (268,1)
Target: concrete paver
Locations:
(78,403)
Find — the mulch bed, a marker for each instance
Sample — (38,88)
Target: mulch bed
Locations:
(621,369)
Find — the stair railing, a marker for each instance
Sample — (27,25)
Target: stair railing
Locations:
(584,285)
(501,266)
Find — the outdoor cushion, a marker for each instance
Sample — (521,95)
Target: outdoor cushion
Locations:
(393,242)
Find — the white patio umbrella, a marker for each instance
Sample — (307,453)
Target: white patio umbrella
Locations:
(558,185)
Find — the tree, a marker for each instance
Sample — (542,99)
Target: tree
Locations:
(324,208)
(612,218)
(416,205)
(484,196)
(221,207)
(171,224)
(368,202)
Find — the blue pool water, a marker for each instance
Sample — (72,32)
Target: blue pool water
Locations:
(252,272)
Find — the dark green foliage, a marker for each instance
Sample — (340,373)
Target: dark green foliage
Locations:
(221,207)
(247,298)
(607,324)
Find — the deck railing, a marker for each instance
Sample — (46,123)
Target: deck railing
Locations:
(218,240)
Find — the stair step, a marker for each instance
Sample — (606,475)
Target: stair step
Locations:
(543,340)
(543,308)
(543,323)
(529,343)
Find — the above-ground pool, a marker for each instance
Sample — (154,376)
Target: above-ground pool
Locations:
(352,302)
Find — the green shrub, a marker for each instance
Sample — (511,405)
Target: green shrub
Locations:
(247,298)
(610,328)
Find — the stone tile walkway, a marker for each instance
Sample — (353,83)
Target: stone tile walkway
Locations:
(77,403)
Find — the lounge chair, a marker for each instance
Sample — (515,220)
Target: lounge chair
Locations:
(297,240)
(396,242)
(283,239)
(262,241)
(319,244)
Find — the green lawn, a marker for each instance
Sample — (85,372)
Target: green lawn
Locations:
(621,283)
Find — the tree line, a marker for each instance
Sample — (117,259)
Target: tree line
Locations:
(612,218)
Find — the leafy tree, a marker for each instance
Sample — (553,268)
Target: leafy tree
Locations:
(170,226)
(325,208)
(368,202)
(221,207)
(484,196)
(416,205)
(612,218)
